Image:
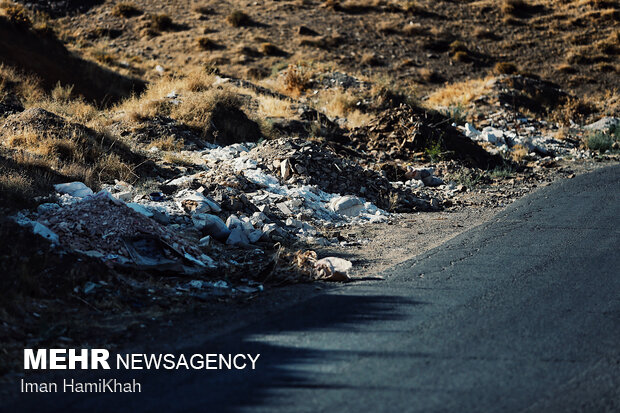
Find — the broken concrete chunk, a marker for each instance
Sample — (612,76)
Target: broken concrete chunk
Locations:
(285,169)
(75,189)
(211,225)
(432,181)
(140,209)
(234,222)
(47,207)
(255,235)
(45,232)
(237,237)
(284,208)
(347,205)
(605,124)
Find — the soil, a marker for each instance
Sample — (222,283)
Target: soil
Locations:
(369,38)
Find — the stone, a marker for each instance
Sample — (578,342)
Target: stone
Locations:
(604,124)
(347,205)
(211,225)
(75,189)
(237,237)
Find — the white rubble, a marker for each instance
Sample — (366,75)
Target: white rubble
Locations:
(74,189)
(604,124)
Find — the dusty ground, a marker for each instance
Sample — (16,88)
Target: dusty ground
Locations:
(566,41)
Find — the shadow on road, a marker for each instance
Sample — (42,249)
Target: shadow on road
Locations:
(279,366)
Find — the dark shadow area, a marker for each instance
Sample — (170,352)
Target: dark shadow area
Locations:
(58,8)
(43,55)
(280,366)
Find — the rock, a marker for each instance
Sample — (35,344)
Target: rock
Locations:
(432,181)
(471,132)
(237,237)
(347,205)
(255,235)
(284,208)
(45,232)
(605,124)
(234,222)
(47,207)
(161,217)
(196,202)
(205,241)
(140,209)
(211,225)
(75,189)
(285,169)
(291,222)
(125,196)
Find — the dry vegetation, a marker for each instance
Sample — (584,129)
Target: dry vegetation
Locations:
(440,50)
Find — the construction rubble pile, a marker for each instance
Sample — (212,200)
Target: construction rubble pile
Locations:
(241,208)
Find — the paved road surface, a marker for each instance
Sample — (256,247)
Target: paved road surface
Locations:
(521,314)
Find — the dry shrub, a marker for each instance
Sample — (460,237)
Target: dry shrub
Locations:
(167,143)
(518,153)
(515,8)
(370,59)
(195,109)
(296,79)
(16,13)
(461,56)
(126,10)
(505,68)
(270,49)
(207,44)
(273,107)
(576,110)
(238,19)
(458,94)
(161,22)
(415,29)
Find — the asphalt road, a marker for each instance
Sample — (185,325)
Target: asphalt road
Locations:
(520,314)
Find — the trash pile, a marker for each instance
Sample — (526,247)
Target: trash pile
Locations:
(506,136)
(406,133)
(245,199)
(104,227)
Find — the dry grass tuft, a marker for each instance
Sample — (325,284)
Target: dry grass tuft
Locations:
(415,29)
(515,8)
(206,43)
(458,94)
(370,59)
(204,10)
(505,68)
(126,10)
(161,22)
(239,19)
(273,107)
(270,49)
(461,56)
(296,79)
(518,153)
(16,13)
